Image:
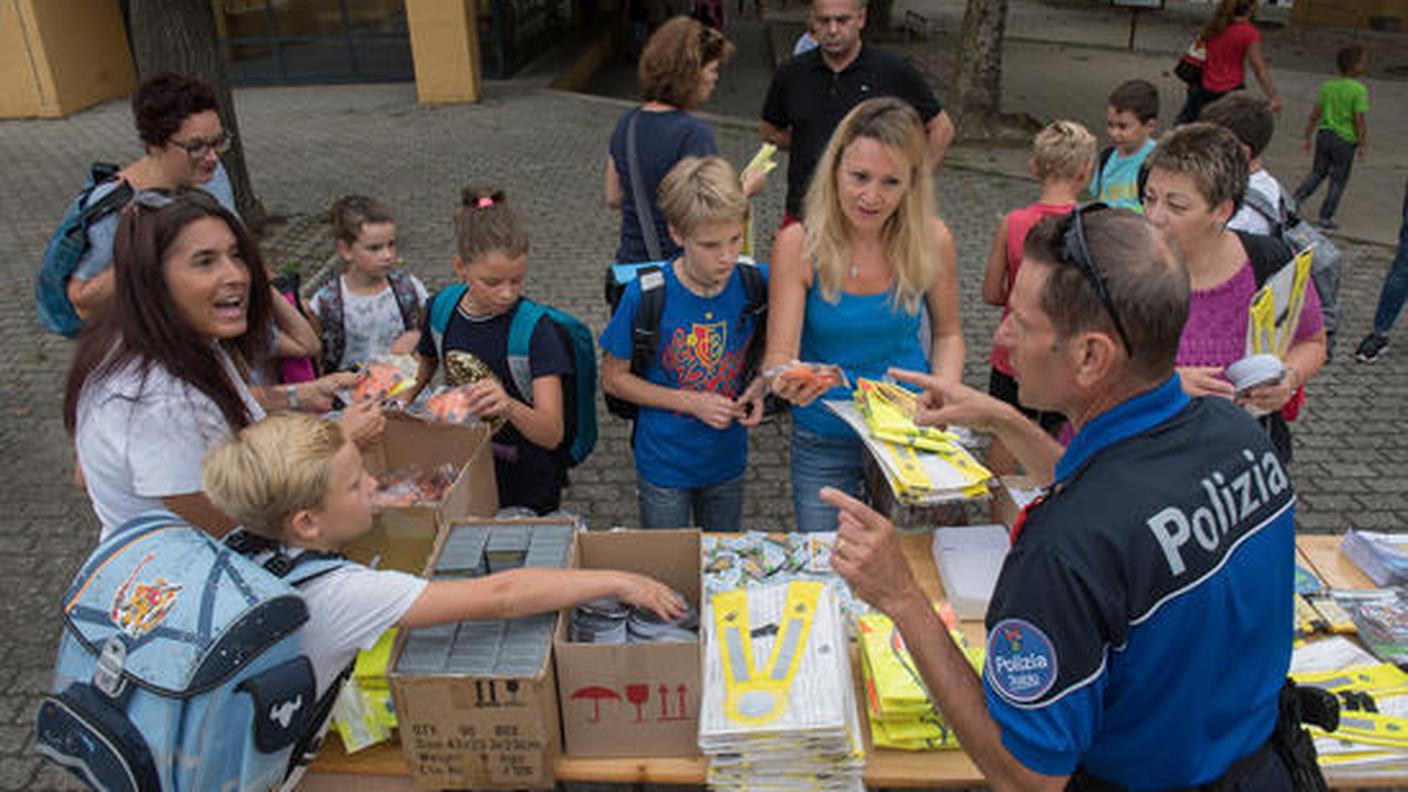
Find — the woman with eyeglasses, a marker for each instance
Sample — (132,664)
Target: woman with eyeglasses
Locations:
(1197,178)
(182,140)
(849,286)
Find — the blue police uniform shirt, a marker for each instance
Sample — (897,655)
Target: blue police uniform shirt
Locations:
(527,473)
(702,344)
(1141,625)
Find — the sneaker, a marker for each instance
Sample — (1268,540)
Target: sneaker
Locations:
(1370,348)
(1328,224)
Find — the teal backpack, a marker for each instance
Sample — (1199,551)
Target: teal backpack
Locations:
(181,665)
(578,387)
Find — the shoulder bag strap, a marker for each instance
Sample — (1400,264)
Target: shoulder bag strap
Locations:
(638,193)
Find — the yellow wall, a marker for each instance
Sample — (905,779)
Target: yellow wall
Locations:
(65,54)
(1348,13)
(445,48)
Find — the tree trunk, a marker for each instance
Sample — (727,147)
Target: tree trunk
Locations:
(979,88)
(179,36)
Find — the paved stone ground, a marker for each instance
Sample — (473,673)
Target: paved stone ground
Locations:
(307,145)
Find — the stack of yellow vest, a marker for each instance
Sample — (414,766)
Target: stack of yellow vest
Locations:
(920,461)
(902,716)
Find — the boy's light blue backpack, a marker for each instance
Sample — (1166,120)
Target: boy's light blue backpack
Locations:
(181,665)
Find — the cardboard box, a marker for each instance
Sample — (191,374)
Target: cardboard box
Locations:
(402,537)
(481,732)
(633,700)
(1005,507)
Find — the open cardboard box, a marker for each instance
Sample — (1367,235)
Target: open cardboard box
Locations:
(402,537)
(480,732)
(633,700)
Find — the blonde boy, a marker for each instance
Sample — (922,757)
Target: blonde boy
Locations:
(1062,157)
(691,440)
(295,478)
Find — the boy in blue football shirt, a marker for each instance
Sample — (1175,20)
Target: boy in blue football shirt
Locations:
(690,439)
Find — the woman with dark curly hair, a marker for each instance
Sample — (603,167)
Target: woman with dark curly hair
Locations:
(678,71)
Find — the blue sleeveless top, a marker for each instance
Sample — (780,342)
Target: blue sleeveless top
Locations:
(866,334)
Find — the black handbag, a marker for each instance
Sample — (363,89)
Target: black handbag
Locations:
(1189,68)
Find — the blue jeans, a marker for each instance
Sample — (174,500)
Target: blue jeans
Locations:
(1334,156)
(717,507)
(819,461)
(1395,287)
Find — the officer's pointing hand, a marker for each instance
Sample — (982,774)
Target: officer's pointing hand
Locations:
(943,402)
(867,553)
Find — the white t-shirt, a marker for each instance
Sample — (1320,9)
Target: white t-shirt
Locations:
(139,442)
(371,323)
(1249,219)
(348,610)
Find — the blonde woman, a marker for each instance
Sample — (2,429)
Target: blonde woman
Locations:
(850,285)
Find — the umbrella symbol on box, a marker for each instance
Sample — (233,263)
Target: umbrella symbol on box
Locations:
(595,693)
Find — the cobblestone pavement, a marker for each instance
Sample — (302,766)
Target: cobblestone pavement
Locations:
(307,145)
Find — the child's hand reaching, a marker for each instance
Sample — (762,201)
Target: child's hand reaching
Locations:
(643,592)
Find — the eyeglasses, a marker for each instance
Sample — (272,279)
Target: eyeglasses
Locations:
(197,149)
(1075,252)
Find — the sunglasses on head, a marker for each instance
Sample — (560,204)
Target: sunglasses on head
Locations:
(1075,253)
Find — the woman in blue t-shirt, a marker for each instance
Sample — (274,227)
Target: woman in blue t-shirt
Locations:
(849,286)
(678,71)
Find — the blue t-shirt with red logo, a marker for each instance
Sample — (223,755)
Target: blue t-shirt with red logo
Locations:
(701,346)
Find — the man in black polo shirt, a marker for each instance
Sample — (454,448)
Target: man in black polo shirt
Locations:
(811,92)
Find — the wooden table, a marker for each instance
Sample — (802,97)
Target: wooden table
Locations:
(382,766)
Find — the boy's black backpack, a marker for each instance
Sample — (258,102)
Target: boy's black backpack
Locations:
(578,387)
(1325,263)
(66,248)
(331,319)
(645,331)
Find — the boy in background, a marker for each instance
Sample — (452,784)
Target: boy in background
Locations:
(1338,123)
(1130,118)
(1251,120)
(1061,160)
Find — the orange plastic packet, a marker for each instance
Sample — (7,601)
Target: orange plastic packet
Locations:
(810,374)
(384,377)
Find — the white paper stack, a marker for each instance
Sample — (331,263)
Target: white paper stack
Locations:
(969,559)
(1382,556)
(766,722)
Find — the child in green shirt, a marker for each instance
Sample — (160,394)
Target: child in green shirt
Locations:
(1339,127)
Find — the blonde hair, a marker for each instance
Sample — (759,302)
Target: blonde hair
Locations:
(699,191)
(1061,149)
(272,469)
(907,234)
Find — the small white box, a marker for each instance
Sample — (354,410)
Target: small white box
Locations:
(969,559)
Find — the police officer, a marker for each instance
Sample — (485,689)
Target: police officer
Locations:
(1140,630)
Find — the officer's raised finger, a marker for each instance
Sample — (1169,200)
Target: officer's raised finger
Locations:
(864,516)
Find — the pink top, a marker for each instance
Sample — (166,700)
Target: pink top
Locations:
(1224,68)
(1216,332)
(1019,222)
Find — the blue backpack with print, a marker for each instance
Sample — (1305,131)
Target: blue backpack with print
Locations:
(181,664)
(578,386)
(66,248)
